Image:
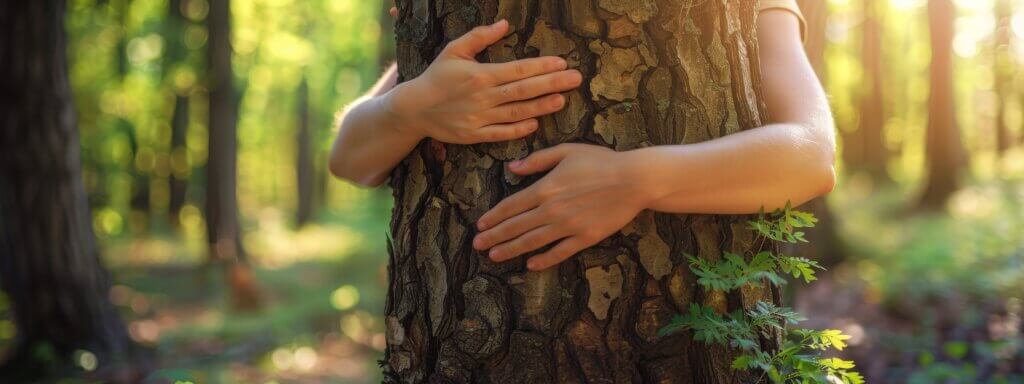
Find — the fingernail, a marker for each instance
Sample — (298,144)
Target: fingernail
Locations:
(480,225)
(575,78)
(557,101)
(532,265)
(560,63)
(515,164)
(499,23)
(494,254)
(478,243)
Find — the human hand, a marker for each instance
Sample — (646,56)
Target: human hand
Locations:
(461,101)
(591,193)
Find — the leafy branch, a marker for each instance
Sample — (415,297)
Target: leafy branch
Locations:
(799,360)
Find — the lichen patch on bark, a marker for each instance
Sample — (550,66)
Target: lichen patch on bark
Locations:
(605,286)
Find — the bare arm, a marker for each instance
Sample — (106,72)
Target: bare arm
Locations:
(456,100)
(592,192)
(368,146)
(788,161)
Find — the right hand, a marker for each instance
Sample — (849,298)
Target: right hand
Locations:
(461,101)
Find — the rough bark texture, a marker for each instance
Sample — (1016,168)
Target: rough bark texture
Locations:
(49,263)
(657,72)
(224,232)
(944,151)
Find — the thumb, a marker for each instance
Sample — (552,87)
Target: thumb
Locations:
(477,40)
(539,161)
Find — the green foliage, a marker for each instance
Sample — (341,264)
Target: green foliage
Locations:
(799,360)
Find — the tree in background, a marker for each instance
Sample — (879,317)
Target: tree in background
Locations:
(174,59)
(866,147)
(944,152)
(49,263)
(659,72)
(223,228)
(305,169)
(1002,70)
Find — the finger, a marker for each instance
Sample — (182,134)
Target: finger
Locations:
(519,202)
(536,86)
(526,68)
(477,40)
(557,254)
(394,12)
(505,132)
(529,242)
(507,230)
(522,110)
(541,160)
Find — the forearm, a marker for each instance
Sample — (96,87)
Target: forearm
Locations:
(369,142)
(741,173)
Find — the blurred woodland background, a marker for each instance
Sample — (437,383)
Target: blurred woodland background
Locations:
(924,236)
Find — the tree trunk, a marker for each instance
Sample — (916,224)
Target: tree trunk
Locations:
(873,155)
(222,225)
(49,263)
(305,171)
(1002,72)
(944,152)
(657,72)
(181,169)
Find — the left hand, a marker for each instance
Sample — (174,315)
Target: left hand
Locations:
(591,194)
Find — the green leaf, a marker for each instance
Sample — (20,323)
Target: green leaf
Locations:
(836,363)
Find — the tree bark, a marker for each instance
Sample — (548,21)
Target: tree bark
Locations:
(222,225)
(944,152)
(49,263)
(305,170)
(657,72)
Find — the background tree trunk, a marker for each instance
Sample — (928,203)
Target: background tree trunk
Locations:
(944,152)
(222,225)
(873,154)
(49,263)
(305,171)
(657,72)
(176,56)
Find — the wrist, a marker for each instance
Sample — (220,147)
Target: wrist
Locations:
(398,113)
(639,169)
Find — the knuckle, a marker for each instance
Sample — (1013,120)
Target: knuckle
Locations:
(507,91)
(477,79)
(520,69)
(513,112)
(575,224)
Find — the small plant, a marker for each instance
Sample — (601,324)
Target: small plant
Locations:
(799,360)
